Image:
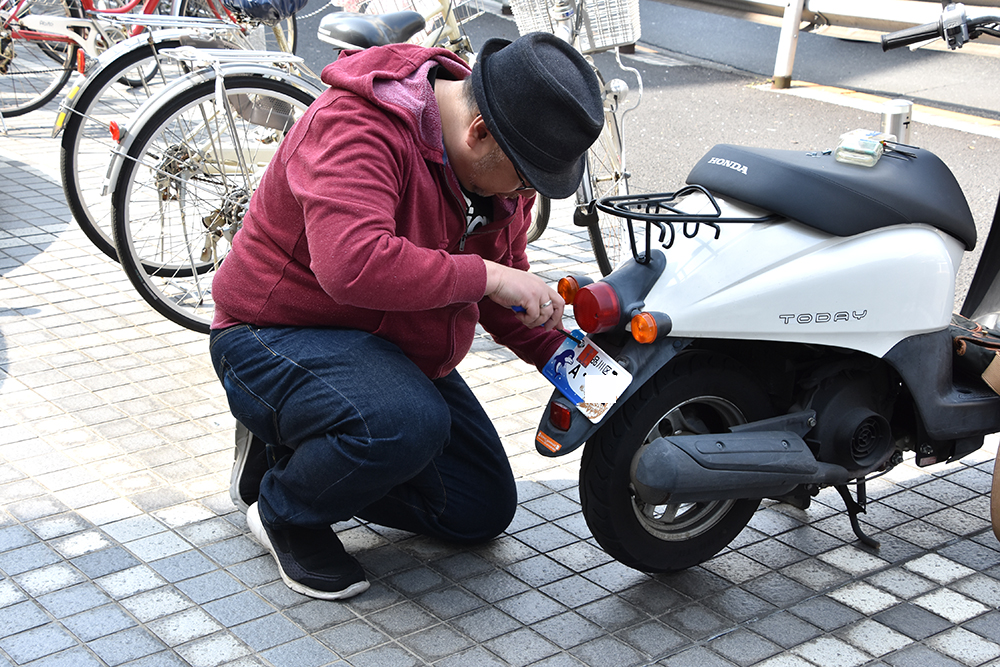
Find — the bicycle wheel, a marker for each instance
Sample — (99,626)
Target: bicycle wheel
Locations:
(185,183)
(605,177)
(86,144)
(32,72)
(539,217)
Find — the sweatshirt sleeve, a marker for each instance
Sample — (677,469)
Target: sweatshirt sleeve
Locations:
(366,250)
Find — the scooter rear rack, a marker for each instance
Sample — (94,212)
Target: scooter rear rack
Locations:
(661,210)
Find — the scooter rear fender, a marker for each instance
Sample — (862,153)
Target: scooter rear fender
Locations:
(641,360)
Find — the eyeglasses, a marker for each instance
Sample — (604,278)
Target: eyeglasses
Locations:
(524,186)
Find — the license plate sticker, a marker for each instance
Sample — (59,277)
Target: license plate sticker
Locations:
(587,375)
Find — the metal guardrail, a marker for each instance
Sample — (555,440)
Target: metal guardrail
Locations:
(862,20)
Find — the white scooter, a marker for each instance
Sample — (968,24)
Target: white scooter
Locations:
(797,334)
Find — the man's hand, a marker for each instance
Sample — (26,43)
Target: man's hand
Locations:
(512,287)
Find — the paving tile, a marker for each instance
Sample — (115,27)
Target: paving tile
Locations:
(825,612)
(912,621)
(521,647)
(125,645)
(73,599)
(213,650)
(353,637)
(874,638)
(784,629)
(20,617)
(436,642)
(920,656)
(36,643)
(697,656)
(965,646)
(951,605)
(98,622)
(183,627)
(831,652)
(246,606)
(389,654)
(696,621)
(304,652)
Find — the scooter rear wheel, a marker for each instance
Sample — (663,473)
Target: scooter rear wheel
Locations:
(698,393)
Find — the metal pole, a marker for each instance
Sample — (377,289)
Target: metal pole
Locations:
(786,44)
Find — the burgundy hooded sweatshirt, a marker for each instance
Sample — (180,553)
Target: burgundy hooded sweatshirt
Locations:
(359,223)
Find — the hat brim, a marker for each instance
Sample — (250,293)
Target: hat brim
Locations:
(558,185)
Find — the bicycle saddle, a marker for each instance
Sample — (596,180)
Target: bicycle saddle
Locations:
(348,30)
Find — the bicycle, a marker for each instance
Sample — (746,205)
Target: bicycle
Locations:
(43,41)
(593,26)
(184,173)
(192,156)
(95,101)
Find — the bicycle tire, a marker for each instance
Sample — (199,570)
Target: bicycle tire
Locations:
(605,176)
(86,145)
(607,179)
(539,217)
(33,72)
(172,202)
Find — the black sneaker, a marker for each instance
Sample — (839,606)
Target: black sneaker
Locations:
(311,562)
(249,466)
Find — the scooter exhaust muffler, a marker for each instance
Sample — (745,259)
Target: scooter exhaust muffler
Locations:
(748,464)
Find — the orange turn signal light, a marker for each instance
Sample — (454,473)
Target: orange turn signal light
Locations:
(648,326)
(644,328)
(570,285)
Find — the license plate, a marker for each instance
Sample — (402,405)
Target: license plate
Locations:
(587,375)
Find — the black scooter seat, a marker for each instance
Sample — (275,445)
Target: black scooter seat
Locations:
(349,30)
(837,198)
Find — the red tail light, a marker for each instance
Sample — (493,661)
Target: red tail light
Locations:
(596,308)
(560,416)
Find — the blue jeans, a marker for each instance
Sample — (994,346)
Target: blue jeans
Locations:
(355,429)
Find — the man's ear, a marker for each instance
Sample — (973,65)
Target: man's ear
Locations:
(478,137)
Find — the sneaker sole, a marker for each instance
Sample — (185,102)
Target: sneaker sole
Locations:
(257,529)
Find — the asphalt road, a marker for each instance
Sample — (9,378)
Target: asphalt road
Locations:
(705,80)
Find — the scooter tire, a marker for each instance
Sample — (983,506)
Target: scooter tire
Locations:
(699,388)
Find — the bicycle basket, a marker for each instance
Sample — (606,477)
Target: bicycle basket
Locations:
(606,23)
(266,11)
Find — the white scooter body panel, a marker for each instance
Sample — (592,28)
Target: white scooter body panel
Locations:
(784,281)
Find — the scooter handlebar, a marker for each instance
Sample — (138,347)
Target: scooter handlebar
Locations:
(908,36)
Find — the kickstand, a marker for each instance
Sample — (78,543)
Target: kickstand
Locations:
(855,508)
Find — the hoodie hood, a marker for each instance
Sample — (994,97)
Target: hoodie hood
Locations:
(395,78)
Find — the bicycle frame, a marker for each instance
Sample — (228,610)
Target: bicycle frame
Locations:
(84,32)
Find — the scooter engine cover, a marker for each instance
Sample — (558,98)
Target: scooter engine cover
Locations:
(837,198)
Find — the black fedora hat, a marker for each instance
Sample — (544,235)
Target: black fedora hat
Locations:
(543,104)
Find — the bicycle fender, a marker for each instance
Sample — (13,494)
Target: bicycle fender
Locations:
(198,77)
(641,360)
(83,80)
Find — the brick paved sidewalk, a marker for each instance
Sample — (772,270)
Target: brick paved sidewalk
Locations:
(119,545)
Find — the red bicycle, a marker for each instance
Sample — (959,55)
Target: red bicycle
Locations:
(43,41)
